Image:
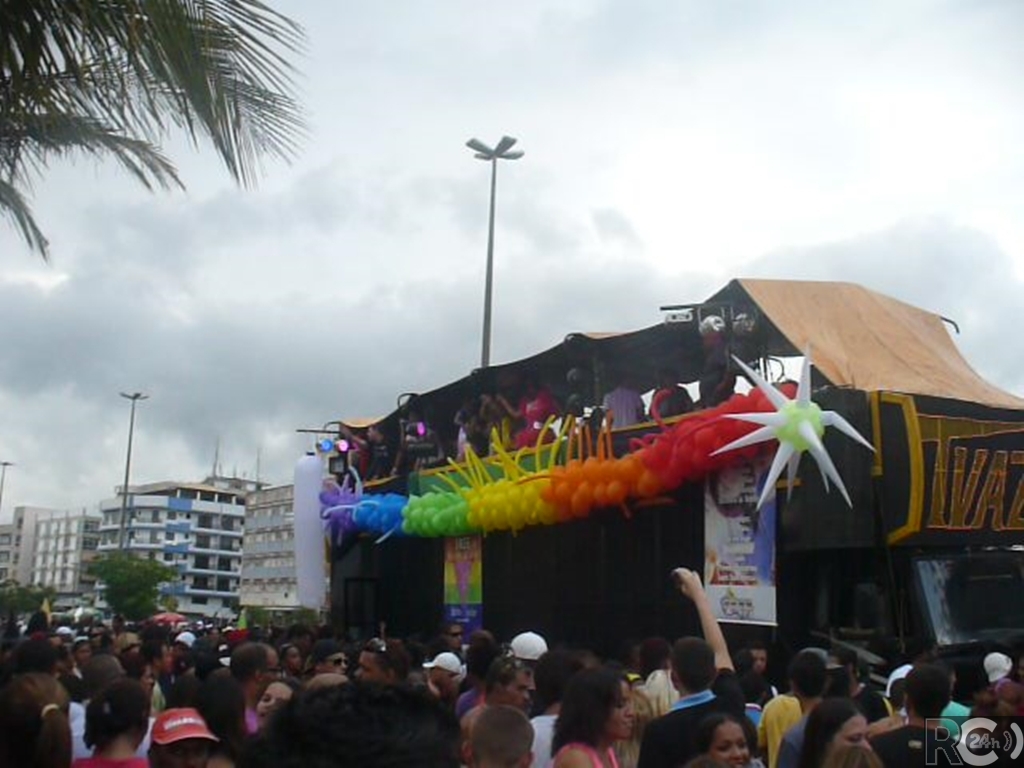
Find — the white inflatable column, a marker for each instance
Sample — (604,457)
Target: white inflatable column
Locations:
(310,571)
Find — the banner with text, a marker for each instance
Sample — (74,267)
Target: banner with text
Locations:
(463,582)
(739,545)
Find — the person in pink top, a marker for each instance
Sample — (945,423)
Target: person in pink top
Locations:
(535,406)
(116,722)
(596,712)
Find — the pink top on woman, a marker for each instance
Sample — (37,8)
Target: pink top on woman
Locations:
(595,757)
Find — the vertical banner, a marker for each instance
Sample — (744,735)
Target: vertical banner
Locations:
(739,546)
(464,582)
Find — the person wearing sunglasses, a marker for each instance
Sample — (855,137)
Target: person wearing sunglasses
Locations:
(453,635)
(383,661)
(328,656)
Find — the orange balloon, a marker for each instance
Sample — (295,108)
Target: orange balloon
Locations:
(563,493)
(600,495)
(563,514)
(617,492)
(648,485)
(582,500)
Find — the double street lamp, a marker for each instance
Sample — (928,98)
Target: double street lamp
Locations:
(484,152)
(134,397)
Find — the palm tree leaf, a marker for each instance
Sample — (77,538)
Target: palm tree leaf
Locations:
(38,137)
(217,68)
(15,207)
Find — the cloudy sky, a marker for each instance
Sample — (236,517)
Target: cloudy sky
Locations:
(670,146)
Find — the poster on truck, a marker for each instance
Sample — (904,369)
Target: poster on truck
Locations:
(739,545)
(463,582)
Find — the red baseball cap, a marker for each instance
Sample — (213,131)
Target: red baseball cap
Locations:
(178,724)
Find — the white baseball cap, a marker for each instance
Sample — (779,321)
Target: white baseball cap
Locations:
(449,662)
(529,646)
(997,666)
(186,638)
(897,674)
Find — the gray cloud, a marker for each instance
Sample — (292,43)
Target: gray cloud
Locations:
(668,147)
(955,271)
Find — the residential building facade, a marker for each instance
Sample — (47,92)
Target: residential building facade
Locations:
(64,543)
(8,552)
(194,528)
(268,560)
(25,540)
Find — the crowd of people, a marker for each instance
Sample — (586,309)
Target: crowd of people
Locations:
(130,697)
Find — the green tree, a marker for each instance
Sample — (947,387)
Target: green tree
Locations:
(113,78)
(306,616)
(18,598)
(131,584)
(169,603)
(257,616)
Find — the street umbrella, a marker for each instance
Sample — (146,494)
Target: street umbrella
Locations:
(169,618)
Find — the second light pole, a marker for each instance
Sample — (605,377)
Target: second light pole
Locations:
(134,397)
(3,476)
(499,152)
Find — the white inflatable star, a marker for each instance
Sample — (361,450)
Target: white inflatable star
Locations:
(798,425)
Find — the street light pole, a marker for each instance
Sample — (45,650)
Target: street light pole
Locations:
(134,397)
(484,152)
(3,476)
(485,353)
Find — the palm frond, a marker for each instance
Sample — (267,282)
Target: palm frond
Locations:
(216,68)
(42,136)
(15,207)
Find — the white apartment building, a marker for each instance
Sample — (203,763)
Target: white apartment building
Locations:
(268,559)
(25,541)
(64,543)
(195,528)
(8,552)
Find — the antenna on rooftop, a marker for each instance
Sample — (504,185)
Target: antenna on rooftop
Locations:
(216,458)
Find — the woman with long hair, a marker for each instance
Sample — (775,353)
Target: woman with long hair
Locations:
(34,727)
(831,724)
(597,712)
(291,661)
(628,751)
(116,722)
(273,695)
(221,702)
(726,740)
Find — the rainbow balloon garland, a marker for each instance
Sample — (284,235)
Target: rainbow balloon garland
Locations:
(571,477)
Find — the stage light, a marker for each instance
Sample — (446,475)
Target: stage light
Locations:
(326,445)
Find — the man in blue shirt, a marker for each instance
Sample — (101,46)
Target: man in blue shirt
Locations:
(702,672)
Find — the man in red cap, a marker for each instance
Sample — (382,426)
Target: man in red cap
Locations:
(180,739)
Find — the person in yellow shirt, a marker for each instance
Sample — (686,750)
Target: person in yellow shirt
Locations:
(779,715)
(806,675)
